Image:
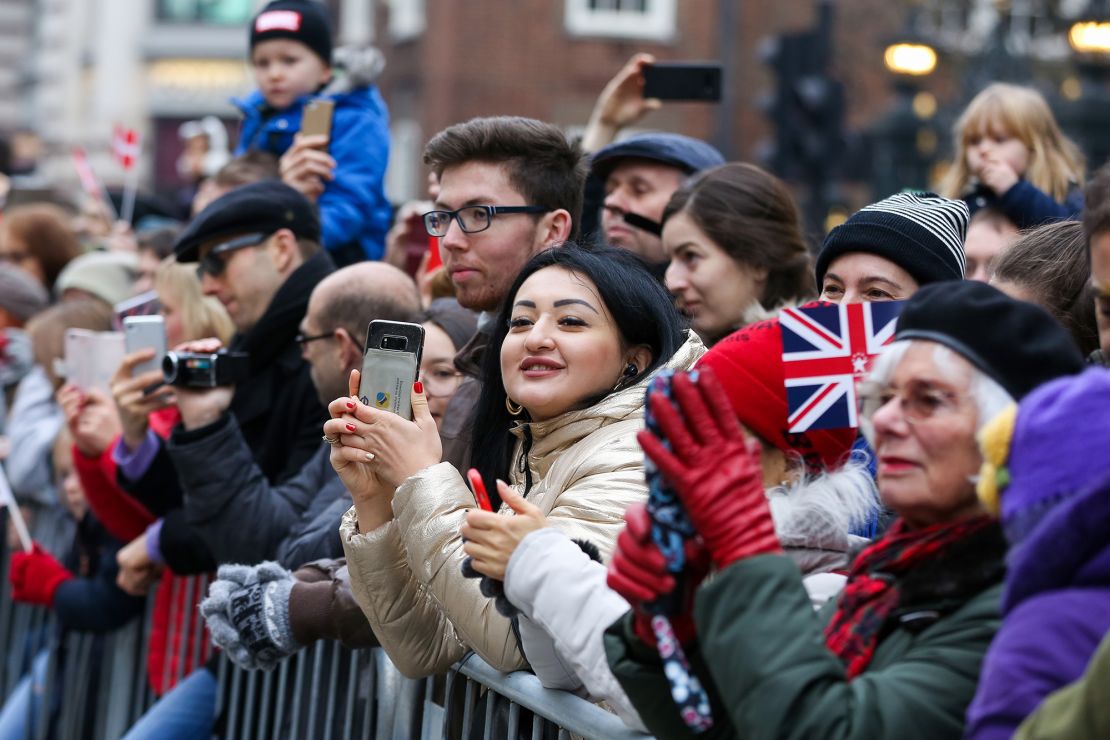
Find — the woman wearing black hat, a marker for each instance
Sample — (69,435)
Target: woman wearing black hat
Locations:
(889,249)
(902,646)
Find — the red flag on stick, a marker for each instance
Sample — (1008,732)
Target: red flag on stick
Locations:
(90,183)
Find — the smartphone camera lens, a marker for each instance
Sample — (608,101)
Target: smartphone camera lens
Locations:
(395,343)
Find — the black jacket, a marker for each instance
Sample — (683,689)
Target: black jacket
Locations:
(277,410)
(293,523)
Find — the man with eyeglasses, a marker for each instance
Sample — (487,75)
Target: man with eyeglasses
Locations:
(509,188)
(259,255)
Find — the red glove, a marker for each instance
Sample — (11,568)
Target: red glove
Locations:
(638,572)
(35,576)
(714,469)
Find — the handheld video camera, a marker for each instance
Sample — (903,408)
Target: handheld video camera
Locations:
(205,370)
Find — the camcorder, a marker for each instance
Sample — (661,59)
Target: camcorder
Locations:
(205,370)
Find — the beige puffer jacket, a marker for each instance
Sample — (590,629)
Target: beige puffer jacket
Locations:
(587,468)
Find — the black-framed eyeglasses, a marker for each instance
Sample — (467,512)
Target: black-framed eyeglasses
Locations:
(304,341)
(212,264)
(472,219)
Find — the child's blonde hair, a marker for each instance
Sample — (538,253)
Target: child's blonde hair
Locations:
(201,316)
(1055,162)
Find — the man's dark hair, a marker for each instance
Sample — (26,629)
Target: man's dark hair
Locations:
(1096,203)
(546,168)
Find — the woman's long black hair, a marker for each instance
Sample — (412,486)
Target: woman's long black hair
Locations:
(640,306)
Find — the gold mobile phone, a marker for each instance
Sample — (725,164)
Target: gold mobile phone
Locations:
(316,120)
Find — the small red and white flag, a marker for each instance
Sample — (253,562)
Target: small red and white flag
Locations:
(126,145)
(89,182)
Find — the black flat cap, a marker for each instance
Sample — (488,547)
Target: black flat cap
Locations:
(264,206)
(1018,344)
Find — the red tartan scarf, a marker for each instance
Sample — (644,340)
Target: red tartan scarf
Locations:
(872,591)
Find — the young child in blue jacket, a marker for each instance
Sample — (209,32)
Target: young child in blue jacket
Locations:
(291,55)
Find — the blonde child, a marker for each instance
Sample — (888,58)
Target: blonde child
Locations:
(1012,156)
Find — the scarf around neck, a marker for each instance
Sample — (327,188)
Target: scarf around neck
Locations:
(937,568)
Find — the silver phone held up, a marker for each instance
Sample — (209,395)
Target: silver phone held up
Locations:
(146,332)
(390,364)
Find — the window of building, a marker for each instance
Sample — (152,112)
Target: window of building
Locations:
(638,19)
(407,19)
(215,12)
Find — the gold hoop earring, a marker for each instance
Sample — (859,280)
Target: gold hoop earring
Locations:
(512,408)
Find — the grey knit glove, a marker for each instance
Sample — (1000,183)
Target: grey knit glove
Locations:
(247,612)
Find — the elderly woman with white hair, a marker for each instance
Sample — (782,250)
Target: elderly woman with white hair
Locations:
(900,650)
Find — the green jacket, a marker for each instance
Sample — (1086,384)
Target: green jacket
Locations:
(764,663)
(1076,712)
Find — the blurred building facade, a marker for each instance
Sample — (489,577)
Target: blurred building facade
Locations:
(71,69)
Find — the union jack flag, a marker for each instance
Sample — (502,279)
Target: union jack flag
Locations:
(826,351)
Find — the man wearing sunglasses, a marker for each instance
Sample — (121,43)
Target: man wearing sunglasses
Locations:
(259,255)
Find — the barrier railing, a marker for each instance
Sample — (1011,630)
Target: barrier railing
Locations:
(90,686)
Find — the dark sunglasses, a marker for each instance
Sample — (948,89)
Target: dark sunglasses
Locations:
(212,263)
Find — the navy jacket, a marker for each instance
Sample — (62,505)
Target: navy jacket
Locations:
(353,207)
(91,602)
(1026,206)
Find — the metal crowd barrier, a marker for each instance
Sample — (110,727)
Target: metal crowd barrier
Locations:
(95,686)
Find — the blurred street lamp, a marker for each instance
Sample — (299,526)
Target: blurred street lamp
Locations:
(904,140)
(1087,116)
(911,58)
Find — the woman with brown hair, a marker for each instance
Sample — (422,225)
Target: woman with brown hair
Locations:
(734,237)
(1049,266)
(37,238)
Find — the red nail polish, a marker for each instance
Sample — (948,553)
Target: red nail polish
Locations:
(418,387)
(350,427)
(351,405)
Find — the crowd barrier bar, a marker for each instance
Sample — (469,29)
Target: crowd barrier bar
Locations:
(99,687)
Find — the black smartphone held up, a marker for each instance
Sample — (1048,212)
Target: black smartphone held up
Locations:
(390,364)
(683,81)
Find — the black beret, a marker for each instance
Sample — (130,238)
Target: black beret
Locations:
(264,206)
(1018,344)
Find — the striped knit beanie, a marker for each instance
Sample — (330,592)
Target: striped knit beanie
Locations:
(922,233)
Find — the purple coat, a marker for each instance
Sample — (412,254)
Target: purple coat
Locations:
(1056,610)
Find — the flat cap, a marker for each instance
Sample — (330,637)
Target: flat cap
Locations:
(264,206)
(681,152)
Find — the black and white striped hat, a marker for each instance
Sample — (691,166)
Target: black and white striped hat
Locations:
(922,233)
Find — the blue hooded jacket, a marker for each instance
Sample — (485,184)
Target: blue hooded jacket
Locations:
(353,206)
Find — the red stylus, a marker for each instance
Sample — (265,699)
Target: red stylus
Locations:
(479,488)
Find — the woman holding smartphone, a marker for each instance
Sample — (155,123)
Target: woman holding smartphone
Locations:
(579,334)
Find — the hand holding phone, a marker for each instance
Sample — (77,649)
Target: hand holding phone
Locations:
(145,332)
(479,488)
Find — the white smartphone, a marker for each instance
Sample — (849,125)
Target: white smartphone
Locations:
(390,364)
(92,358)
(146,332)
